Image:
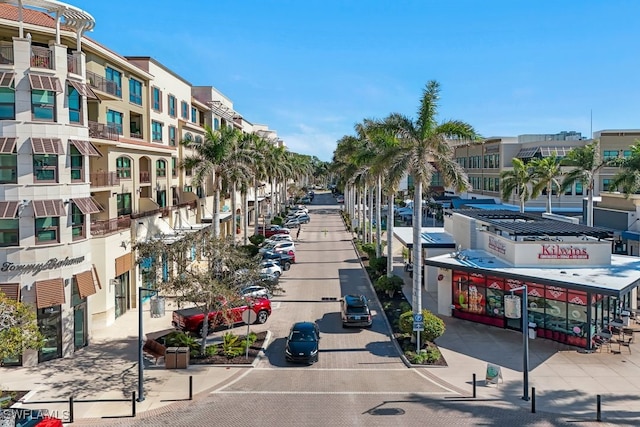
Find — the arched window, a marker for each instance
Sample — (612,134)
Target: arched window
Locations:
(161,168)
(123,167)
(198,139)
(188,137)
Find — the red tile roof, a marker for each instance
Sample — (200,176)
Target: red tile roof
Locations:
(29,16)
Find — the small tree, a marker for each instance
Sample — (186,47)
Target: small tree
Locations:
(391,285)
(18,328)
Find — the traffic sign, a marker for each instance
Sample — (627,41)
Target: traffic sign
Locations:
(418,317)
(418,326)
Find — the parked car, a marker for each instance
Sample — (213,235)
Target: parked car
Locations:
(226,313)
(256,291)
(292,223)
(283,246)
(302,343)
(296,213)
(355,311)
(277,238)
(284,259)
(303,219)
(272,229)
(270,267)
(340,198)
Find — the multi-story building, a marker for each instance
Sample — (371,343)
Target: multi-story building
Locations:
(91,144)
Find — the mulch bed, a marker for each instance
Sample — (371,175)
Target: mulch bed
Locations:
(14,395)
(221,359)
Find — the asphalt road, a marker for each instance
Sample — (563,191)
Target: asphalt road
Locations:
(359,379)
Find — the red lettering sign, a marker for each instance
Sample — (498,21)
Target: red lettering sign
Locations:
(556,251)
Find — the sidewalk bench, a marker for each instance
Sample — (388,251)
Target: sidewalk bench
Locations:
(154,349)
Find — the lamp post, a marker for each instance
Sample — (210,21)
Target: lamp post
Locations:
(141,343)
(525,341)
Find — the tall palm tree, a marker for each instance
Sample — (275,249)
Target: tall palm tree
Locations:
(628,179)
(518,180)
(546,175)
(587,163)
(422,150)
(211,159)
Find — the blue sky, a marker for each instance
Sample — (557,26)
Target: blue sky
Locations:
(311,70)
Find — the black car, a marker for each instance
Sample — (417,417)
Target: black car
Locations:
(355,311)
(302,343)
(285,260)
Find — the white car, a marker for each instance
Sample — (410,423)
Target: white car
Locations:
(270,267)
(282,246)
(277,238)
(292,223)
(255,291)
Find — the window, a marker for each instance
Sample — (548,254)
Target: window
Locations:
(172,105)
(47,229)
(76,164)
(609,154)
(161,198)
(45,167)
(9,232)
(114,121)
(198,139)
(185,110)
(172,135)
(188,138)
(194,115)
(579,189)
(174,166)
(77,223)
(43,105)
(123,167)
(216,123)
(157,99)
(161,168)
(187,189)
(124,204)
(156,131)
(75,105)
(135,91)
(7,103)
(114,81)
(568,191)
(8,161)
(606,183)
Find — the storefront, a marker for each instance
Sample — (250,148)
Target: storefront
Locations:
(575,286)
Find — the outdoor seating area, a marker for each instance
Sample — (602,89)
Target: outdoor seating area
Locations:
(618,336)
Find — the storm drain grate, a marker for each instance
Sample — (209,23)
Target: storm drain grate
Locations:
(329,299)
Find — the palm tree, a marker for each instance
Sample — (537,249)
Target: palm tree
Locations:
(546,174)
(422,151)
(628,179)
(587,163)
(211,159)
(518,180)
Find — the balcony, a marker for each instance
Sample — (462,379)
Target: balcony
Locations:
(104,179)
(73,64)
(42,57)
(108,226)
(6,53)
(145,177)
(104,131)
(166,210)
(104,85)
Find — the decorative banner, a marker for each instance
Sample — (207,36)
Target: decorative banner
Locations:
(494,374)
(512,306)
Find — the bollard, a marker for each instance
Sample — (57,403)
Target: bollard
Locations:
(133,404)
(474,386)
(533,400)
(598,408)
(70,409)
(190,387)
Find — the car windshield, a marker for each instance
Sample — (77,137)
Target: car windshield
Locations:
(302,336)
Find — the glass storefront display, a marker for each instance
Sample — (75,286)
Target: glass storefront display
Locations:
(50,324)
(122,294)
(79,317)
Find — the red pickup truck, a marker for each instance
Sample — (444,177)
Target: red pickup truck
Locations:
(227,313)
(270,230)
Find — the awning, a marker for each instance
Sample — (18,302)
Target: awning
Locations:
(8,210)
(45,208)
(83,89)
(40,82)
(86,148)
(87,205)
(49,293)
(11,290)
(86,284)
(7,79)
(46,146)
(631,235)
(7,145)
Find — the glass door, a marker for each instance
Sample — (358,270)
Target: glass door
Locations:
(80,326)
(122,294)
(50,324)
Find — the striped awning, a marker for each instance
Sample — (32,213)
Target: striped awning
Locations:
(87,205)
(41,82)
(86,284)
(85,148)
(45,208)
(8,210)
(49,293)
(7,145)
(83,89)
(46,146)
(11,290)
(7,79)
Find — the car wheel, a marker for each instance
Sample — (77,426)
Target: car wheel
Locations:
(262,317)
(286,266)
(277,273)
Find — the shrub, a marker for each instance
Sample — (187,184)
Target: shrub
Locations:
(232,345)
(369,249)
(433,325)
(257,239)
(386,284)
(379,265)
(181,339)
(431,355)
(277,220)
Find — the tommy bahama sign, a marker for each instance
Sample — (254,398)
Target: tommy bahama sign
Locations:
(52,264)
(556,251)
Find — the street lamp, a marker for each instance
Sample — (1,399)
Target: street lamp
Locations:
(141,343)
(513,312)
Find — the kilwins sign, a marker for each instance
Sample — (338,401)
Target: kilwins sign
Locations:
(556,251)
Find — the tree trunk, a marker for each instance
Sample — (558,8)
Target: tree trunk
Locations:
(234,219)
(417,248)
(245,218)
(590,204)
(390,236)
(549,199)
(379,218)
(216,213)
(255,206)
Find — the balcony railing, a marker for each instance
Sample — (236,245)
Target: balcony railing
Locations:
(104,179)
(108,226)
(145,177)
(6,53)
(73,64)
(104,131)
(103,84)
(41,57)
(166,210)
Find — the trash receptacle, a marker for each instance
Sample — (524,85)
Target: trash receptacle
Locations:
(182,358)
(157,306)
(533,330)
(626,317)
(171,358)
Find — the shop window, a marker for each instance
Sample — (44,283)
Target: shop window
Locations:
(77,158)
(74,102)
(9,232)
(77,223)
(43,105)
(47,230)
(123,167)
(124,204)
(556,309)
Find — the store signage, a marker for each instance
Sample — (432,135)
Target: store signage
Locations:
(497,246)
(555,251)
(52,264)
